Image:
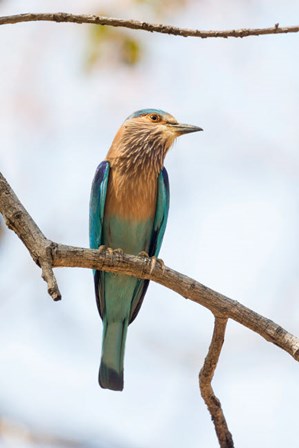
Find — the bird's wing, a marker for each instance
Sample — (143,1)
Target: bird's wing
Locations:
(159,227)
(96,217)
(97,204)
(161,214)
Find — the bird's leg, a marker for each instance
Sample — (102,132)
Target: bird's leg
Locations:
(154,261)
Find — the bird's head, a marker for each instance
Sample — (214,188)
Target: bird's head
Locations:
(157,124)
(147,135)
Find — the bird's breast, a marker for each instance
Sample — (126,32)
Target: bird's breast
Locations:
(131,197)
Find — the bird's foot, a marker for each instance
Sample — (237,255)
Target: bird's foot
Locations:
(110,251)
(143,254)
(106,249)
(118,251)
(162,264)
(102,248)
(154,261)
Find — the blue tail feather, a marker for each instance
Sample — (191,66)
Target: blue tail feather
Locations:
(111,369)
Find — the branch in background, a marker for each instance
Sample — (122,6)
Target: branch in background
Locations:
(205,379)
(145,26)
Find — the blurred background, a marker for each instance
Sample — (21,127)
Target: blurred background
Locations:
(233,224)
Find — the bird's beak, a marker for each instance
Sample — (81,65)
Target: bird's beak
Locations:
(180,128)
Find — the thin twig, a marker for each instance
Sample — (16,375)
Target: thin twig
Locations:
(50,254)
(205,379)
(145,26)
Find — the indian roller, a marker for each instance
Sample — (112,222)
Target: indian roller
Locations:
(128,211)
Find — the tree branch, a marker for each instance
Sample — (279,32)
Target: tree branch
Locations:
(205,379)
(49,254)
(18,219)
(145,26)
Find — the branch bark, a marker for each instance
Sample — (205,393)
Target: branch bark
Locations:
(205,379)
(145,26)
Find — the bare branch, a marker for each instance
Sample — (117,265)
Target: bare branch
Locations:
(145,26)
(18,219)
(205,379)
(48,254)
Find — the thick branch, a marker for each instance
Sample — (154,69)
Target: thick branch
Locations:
(205,379)
(18,219)
(48,254)
(145,26)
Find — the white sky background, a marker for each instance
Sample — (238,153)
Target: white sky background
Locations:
(233,225)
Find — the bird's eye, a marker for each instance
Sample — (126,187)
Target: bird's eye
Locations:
(155,117)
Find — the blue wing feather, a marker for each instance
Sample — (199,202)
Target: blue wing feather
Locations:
(97,204)
(96,217)
(161,213)
(159,227)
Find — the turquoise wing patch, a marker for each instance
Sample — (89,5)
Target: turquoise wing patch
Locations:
(96,218)
(97,204)
(161,216)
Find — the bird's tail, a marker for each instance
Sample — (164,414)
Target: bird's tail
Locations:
(111,374)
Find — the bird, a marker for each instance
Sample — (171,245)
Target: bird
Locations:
(128,212)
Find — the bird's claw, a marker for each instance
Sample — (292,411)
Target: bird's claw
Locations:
(118,251)
(143,254)
(153,264)
(161,263)
(109,250)
(154,261)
